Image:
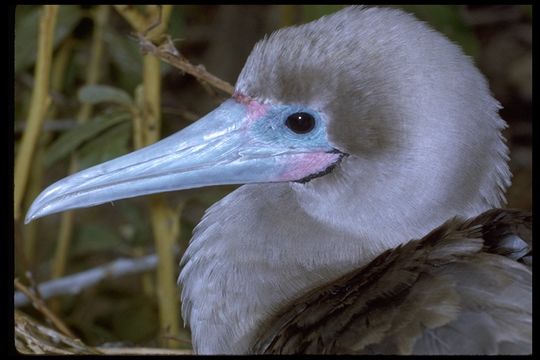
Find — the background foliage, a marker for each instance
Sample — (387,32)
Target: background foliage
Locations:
(219,37)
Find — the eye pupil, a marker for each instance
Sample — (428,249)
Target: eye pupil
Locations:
(300,123)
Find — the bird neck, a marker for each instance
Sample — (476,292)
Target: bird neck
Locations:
(244,263)
(263,246)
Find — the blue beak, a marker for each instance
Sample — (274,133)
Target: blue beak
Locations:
(231,145)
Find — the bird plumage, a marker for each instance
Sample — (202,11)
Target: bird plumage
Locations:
(424,143)
(447,293)
(316,254)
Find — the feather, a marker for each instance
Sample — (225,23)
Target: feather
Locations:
(436,295)
(425,151)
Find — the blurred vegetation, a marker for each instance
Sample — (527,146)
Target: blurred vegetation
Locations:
(127,312)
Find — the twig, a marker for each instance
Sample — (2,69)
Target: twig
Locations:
(34,338)
(178,339)
(143,351)
(170,57)
(38,106)
(74,284)
(32,284)
(40,306)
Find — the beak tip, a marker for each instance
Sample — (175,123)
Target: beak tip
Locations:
(45,204)
(31,215)
(35,211)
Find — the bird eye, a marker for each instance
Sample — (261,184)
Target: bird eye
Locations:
(300,123)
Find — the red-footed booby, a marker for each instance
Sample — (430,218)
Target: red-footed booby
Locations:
(372,153)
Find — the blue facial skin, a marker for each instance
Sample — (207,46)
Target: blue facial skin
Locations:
(271,129)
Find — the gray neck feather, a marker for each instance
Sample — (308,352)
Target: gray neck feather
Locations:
(424,140)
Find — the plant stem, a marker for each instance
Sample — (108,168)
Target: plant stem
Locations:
(92,78)
(165,221)
(166,226)
(39,103)
(59,65)
(96,55)
(137,20)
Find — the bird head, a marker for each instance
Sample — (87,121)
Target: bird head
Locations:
(365,101)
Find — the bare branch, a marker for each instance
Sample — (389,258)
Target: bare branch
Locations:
(74,284)
(170,55)
(34,338)
(143,351)
(40,305)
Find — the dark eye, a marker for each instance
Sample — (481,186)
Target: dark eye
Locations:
(300,122)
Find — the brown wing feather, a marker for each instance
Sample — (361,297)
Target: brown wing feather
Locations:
(450,292)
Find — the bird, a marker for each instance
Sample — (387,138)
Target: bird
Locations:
(373,170)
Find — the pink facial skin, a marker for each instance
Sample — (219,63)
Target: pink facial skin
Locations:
(303,165)
(255,109)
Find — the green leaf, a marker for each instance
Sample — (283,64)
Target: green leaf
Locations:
(135,319)
(71,140)
(112,143)
(26,31)
(126,58)
(92,238)
(95,94)
(177,22)
(137,219)
(313,12)
(448,20)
